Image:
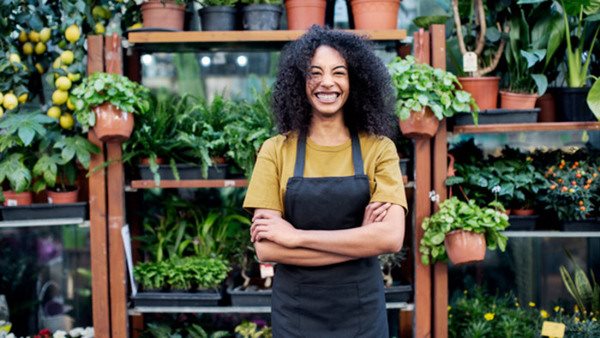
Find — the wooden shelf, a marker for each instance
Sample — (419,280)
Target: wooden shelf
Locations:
(235,40)
(44,222)
(525,127)
(146,184)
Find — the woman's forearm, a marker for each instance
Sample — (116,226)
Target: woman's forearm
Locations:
(268,251)
(365,241)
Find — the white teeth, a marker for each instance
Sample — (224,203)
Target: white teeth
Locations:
(327,97)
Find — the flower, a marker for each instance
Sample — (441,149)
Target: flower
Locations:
(489,316)
(556,308)
(576,308)
(449,307)
(544,314)
(434,197)
(531,304)
(59,334)
(496,189)
(517,304)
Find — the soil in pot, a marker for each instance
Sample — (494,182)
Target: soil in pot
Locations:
(164,14)
(112,124)
(217,18)
(262,17)
(301,14)
(422,124)
(375,14)
(63,197)
(465,247)
(13,199)
(517,101)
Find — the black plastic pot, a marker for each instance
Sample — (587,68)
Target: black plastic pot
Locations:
(571,104)
(176,299)
(522,223)
(247,297)
(262,17)
(498,116)
(590,224)
(217,18)
(44,211)
(217,172)
(398,294)
(185,171)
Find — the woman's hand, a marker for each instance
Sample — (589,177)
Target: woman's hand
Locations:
(375,212)
(273,228)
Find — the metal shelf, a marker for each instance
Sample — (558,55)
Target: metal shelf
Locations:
(147,184)
(525,127)
(552,234)
(44,222)
(232,309)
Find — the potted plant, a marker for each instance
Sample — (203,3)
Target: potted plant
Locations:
(163,14)
(425,96)
(462,230)
(250,330)
(217,15)
(107,102)
(262,15)
(301,14)
(375,14)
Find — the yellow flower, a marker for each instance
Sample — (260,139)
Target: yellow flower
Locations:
(531,304)
(577,319)
(488,316)
(449,316)
(517,304)
(594,319)
(556,308)
(449,307)
(465,292)
(576,308)
(544,314)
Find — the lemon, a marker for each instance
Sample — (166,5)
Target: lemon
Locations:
(67,57)
(70,104)
(1,98)
(23,36)
(45,34)
(74,77)
(10,101)
(40,48)
(23,98)
(63,83)
(66,121)
(57,63)
(39,68)
(99,28)
(14,58)
(136,25)
(72,33)
(34,36)
(27,48)
(54,112)
(1,111)
(62,44)
(59,97)
(100,12)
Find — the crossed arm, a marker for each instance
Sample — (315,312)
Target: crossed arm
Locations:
(276,240)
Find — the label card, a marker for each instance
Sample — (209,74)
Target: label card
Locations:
(470,62)
(266,270)
(553,329)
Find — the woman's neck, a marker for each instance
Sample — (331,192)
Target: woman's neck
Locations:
(328,131)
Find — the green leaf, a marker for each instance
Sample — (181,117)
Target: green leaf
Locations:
(26,134)
(541,83)
(593,99)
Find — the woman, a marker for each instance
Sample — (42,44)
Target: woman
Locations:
(327,192)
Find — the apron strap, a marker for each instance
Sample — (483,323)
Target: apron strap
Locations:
(357,160)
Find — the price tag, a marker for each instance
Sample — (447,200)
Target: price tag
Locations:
(266,270)
(11,203)
(470,62)
(553,329)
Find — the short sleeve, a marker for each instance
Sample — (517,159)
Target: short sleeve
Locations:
(388,178)
(263,189)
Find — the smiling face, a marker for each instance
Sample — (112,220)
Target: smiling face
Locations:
(327,84)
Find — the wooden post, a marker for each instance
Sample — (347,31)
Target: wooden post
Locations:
(97,198)
(422,318)
(440,149)
(116,210)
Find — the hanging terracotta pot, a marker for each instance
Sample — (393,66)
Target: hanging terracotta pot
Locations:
(13,199)
(301,14)
(483,89)
(523,212)
(465,246)
(421,124)
(165,14)
(517,101)
(547,108)
(375,14)
(112,124)
(62,197)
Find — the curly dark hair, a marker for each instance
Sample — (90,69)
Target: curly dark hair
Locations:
(371,102)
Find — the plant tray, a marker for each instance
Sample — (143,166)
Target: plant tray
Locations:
(186,172)
(45,211)
(398,293)
(522,223)
(175,299)
(498,116)
(249,297)
(590,224)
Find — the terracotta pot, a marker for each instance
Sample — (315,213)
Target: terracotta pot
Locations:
(62,197)
(169,15)
(146,161)
(523,212)
(218,160)
(465,247)
(548,108)
(13,199)
(301,14)
(112,124)
(421,124)
(483,89)
(517,101)
(375,14)
(507,211)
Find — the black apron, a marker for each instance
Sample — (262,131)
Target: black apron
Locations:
(340,300)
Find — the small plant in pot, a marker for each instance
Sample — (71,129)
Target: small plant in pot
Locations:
(261,15)
(425,96)
(217,15)
(108,102)
(461,231)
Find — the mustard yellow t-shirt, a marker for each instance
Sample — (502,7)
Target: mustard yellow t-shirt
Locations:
(277,157)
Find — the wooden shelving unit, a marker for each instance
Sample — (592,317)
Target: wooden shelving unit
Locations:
(235,40)
(525,127)
(146,184)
